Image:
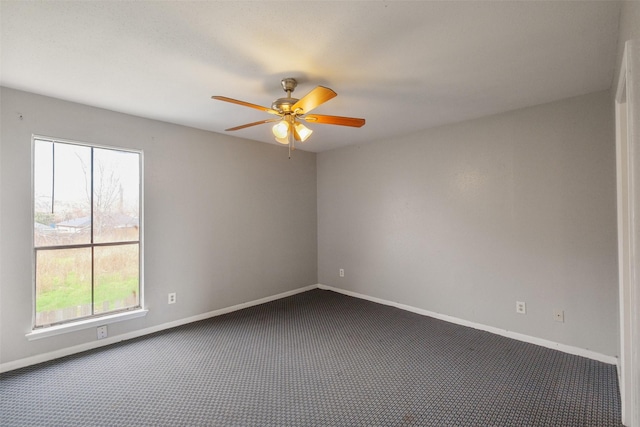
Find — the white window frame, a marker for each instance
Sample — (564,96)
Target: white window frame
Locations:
(95,319)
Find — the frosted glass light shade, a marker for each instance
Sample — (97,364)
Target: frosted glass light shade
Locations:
(284,140)
(280,129)
(303,131)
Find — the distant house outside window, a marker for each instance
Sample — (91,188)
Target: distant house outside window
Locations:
(87,236)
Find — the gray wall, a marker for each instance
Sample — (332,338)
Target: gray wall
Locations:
(466,219)
(227,220)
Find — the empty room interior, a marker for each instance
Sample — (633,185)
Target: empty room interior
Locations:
(319,213)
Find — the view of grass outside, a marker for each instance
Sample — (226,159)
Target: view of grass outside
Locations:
(64,277)
(86,231)
(116,277)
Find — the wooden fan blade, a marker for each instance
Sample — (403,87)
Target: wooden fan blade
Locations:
(334,120)
(316,97)
(252,124)
(246,104)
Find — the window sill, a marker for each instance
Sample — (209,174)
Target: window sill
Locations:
(37,334)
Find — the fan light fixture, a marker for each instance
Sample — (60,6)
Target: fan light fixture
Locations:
(302,131)
(281,130)
(284,140)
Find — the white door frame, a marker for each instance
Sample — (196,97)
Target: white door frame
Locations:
(627,105)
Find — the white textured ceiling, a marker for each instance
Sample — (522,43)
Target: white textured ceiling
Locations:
(403,66)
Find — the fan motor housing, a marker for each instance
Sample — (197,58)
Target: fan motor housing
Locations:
(284,104)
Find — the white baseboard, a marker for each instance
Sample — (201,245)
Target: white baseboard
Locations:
(45,357)
(498,331)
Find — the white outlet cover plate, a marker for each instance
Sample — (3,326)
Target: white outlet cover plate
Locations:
(102,332)
(521,307)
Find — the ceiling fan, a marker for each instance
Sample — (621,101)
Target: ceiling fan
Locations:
(291,111)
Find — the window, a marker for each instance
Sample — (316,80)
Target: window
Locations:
(87,247)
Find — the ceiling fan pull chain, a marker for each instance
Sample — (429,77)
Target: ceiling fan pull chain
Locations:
(291,140)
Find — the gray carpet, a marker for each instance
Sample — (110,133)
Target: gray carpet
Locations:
(315,359)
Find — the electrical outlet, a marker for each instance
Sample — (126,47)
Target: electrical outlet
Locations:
(341,272)
(102,332)
(558,315)
(521,307)
(172,298)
